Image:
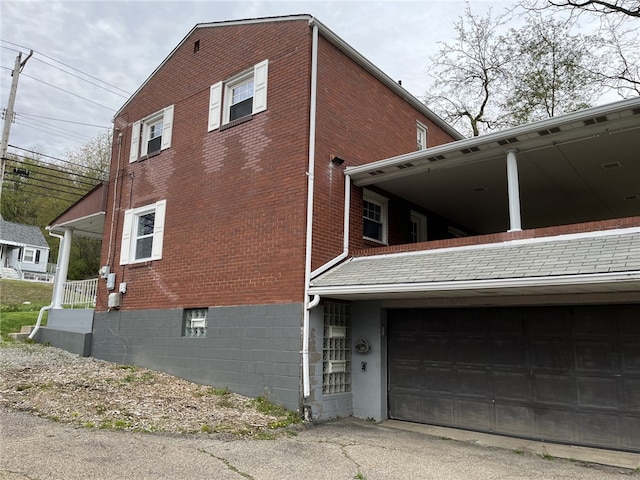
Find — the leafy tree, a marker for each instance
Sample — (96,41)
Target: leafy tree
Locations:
(618,31)
(488,79)
(468,73)
(551,73)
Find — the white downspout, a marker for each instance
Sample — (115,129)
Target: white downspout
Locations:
(306,384)
(55,289)
(345,240)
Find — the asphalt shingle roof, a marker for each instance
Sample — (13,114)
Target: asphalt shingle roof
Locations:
(21,234)
(570,256)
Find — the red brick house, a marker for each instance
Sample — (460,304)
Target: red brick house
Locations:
(282,217)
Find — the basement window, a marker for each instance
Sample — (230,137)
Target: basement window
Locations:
(336,350)
(195,322)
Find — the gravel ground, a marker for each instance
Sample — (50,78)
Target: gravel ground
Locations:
(52,383)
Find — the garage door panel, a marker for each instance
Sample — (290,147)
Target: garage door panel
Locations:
(407,407)
(473,351)
(472,382)
(508,352)
(438,410)
(437,350)
(547,321)
(631,389)
(557,389)
(512,386)
(439,379)
(408,376)
(631,357)
(598,392)
(476,415)
(514,420)
(554,424)
(551,354)
(595,356)
(567,374)
(598,428)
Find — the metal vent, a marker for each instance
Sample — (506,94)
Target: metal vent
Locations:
(507,141)
(376,172)
(436,158)
(405,165)
(549,131)
(593,121)
(469,150)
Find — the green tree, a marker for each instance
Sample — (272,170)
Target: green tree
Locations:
(551,72)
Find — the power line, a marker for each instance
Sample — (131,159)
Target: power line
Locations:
(80,78)
(68,66)
(36,192)
(44,155)
(58,177)
(52,129)
(58,168)
(67,91)
(62,120)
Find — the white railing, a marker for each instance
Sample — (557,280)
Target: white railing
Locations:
(80,293)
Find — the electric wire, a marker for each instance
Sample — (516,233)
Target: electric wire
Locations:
(37,192)
(58,168)
(34,168)
(47,128)
(44,155)
(62,120)
(68,66)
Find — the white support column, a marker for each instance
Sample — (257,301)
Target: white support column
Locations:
(63,267)
(513,189)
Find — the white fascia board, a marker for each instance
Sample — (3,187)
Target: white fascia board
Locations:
(357,173)
(383,77)
(502,283)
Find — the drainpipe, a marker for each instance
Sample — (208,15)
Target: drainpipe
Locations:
(308,305)
(55,288)
(345,239)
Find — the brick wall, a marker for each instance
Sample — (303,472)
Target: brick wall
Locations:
(235,215)
(502,237)
(359,120)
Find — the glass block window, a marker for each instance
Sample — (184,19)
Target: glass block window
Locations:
(336,351)
(195,322)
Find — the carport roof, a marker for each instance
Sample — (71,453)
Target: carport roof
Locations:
(593,262)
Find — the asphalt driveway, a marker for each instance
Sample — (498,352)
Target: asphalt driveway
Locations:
(37,449)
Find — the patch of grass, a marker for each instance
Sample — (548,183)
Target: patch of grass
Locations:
(115,425)
(100,409)
(519,452)
(359,476)
(207,429)
(11,322)
(23,386)
(286,417)
(89,425)
(546,456)
(14,294)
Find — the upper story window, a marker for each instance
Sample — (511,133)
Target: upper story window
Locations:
(421,140)
(240,96)
(418,227)
(151,134)
(142,233)
(374,217)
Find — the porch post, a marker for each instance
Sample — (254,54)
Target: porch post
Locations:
(63,267)
(513,189)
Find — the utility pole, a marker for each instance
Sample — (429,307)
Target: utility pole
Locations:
(8,114)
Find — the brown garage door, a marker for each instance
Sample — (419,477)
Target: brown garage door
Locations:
(565,374)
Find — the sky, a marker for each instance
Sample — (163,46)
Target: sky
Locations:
(89,56)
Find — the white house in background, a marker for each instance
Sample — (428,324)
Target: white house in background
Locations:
(24,252)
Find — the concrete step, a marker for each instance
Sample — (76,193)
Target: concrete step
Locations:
(18,336)
(27,329)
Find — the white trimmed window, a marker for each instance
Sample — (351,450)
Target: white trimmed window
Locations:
(374,217)
(151,134)
(142,234)
(418,227)
(421,132)
(240,96)
(29,255)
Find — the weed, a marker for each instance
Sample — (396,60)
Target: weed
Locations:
(519,452)
(359,476)
(445,438)
(206,429)
(100,409)
(54,418)
(88,425)
(125,367)
(115,425)
(263,405)
(220,391)
(546,456)
(23,386)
